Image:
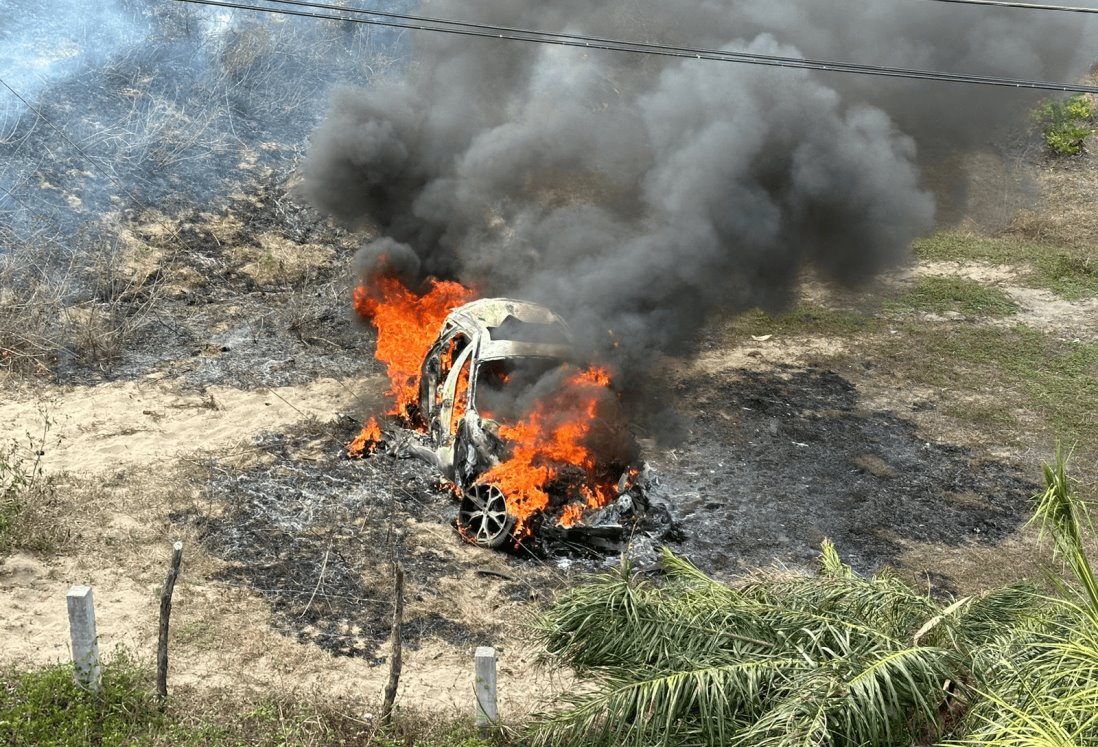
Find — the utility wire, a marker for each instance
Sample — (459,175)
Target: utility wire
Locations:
(488,31)
(1025,6)
(638,47)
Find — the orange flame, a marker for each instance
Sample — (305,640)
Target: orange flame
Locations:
(460,403)
(571,515)
(549,438)
(406,326)
(367,441)
(548,448)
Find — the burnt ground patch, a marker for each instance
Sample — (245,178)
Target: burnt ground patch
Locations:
(774,462)
(315,533)
(222,306)
(771,464)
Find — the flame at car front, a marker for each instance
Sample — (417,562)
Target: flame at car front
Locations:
(550,449)
(548,444)
(406,326)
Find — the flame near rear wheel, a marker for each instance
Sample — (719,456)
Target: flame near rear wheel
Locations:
(483,518)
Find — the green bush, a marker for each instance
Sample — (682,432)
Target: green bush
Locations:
(1066,124)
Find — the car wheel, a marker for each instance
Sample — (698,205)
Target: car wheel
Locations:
(482,518)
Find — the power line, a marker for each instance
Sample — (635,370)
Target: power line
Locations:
(638,47)
(1025,6)
(489,31)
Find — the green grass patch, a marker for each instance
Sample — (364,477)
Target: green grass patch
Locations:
(1058,380)
(805,319)
(1070,272)
(45,706)
(940,295)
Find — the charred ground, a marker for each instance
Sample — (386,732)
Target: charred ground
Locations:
(776,461)
(769,463)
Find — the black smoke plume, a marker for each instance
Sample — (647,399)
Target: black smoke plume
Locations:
(641,194)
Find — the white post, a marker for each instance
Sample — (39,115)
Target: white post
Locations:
(487,715)
(85,644)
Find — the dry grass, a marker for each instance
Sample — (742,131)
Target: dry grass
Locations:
(31,507)
(81,302)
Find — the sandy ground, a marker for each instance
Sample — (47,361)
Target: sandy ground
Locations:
(123,446)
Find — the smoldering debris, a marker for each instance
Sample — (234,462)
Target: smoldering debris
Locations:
(639,194)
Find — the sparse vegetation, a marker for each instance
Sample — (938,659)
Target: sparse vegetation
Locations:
(1026,368)
(804,319)
(940,295)
(72,303)
(1066,124)
(28,501)
(45,706)
(1070,272)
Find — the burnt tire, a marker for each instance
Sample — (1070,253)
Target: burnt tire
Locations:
(483,518)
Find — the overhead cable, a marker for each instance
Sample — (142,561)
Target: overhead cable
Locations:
(489,31)
(1024,6)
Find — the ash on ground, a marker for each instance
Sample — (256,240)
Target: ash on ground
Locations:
(316,533)
(776,461)
(772,463)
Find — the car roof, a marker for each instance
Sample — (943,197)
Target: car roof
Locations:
(486,313)
(481,317)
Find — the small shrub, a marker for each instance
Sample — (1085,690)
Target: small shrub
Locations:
(28,498)
(1065,125)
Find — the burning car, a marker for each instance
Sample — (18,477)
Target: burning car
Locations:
(489,392)
(523,432)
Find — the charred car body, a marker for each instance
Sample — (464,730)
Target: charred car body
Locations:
(491,358)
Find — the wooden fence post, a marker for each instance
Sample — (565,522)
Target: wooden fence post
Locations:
(485,688)
(395,655)
(85,641)
(165,615)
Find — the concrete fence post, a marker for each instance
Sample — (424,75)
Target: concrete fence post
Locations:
(487,715)
(85,641)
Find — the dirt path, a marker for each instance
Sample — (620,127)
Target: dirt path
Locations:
(152,422)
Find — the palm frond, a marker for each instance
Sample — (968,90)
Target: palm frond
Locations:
(691,661)
(1061,514)
(831,565)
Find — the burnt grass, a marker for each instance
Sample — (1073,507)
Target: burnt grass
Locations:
(768,465)
(316,537)
(225,328)
(775,462)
